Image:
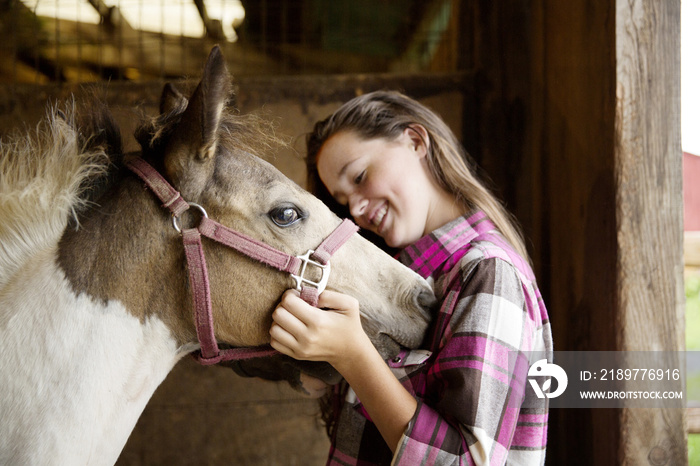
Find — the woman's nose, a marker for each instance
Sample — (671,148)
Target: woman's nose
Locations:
(358,206)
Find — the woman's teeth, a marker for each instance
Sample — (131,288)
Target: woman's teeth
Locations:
(377,220)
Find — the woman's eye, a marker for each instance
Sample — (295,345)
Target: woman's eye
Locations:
(285,216)
(360,177)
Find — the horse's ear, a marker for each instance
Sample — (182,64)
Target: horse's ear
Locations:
(198,127)
(172,100)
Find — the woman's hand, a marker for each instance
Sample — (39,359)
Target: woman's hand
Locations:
(336,336)
(333,334)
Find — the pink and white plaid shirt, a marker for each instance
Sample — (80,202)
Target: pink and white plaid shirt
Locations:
(470,395)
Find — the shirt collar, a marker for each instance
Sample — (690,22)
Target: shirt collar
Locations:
(429,253)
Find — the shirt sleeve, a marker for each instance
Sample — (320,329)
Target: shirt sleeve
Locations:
(474,393)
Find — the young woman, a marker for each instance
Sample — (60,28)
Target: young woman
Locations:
(460,399)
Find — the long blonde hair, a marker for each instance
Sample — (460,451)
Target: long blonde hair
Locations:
(386,114)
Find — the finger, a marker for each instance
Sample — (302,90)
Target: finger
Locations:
(337,301)
(304,312)
(281,340)
(282,348)
(291,291)
(287,320)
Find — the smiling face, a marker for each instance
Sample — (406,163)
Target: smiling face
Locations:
(386,184)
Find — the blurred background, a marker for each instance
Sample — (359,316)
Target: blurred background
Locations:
(141,40)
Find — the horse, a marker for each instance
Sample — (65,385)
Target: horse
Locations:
(98,297)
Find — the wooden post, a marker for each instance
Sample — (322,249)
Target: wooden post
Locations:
(649,199)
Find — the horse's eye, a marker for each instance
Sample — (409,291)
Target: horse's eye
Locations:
(285,216)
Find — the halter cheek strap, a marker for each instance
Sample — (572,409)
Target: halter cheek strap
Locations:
(296,266)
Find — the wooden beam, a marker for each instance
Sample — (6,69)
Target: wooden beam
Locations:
(649,199)
(102,9)
(213,27)
(110,16)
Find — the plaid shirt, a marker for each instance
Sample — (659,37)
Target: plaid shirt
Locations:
(470,377)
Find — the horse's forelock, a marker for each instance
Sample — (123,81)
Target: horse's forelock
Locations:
(250,133)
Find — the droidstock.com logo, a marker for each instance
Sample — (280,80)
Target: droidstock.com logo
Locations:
(550,370)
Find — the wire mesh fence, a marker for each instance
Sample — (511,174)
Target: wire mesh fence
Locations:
(45,41)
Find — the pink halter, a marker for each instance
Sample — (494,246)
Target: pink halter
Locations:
(199,279)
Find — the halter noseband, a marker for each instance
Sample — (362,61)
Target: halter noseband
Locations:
(199,279)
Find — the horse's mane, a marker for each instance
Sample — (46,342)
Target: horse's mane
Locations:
(46,176)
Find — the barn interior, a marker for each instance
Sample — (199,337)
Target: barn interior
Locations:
(571,109)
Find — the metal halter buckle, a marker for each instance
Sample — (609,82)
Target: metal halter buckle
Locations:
(176,220)
(325,272)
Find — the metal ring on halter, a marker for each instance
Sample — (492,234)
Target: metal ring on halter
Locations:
(325,272)
(176,220)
